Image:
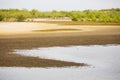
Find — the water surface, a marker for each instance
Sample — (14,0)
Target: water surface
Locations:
(104,61)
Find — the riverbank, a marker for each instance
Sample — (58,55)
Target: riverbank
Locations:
(22,36)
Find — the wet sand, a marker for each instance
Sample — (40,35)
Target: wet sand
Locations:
(22,36)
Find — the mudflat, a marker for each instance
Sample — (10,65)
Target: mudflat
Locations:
(27,35)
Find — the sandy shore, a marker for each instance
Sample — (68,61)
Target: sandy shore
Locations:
(24,28)
(22,36)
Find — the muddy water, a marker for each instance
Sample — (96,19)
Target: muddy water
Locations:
(104,61)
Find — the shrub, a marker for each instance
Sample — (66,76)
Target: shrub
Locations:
(21,18)
(74,19)
(1,17)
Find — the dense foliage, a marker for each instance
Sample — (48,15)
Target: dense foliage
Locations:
(106,15)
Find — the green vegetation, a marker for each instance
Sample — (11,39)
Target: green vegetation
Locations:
(1,17)
(21,18)
(105,16)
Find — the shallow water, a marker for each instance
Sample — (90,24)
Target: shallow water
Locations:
(104,61)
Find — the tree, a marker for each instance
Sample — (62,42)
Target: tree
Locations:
(106,15)
(74,15)
(34,13)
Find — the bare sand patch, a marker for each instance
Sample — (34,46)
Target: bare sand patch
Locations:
(15,28)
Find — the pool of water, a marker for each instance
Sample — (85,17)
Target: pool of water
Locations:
(104,61)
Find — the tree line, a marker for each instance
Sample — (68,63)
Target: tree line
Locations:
(105,15)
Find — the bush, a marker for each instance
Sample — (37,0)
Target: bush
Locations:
(1,17)
(74,19)
(21,18)
(106,15)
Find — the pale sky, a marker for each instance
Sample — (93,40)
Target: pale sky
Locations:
(49,5)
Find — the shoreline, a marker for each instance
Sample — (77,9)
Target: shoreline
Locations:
(90,35)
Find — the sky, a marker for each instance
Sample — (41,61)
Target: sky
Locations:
(66,5)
